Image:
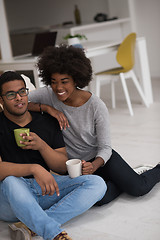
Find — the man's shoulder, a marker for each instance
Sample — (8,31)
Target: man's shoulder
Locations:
(44,118)
(1,115)
(3,123)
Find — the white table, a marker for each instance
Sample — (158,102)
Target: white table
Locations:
(93,49)
(97,48)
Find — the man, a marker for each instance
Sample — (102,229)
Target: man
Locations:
(29,193)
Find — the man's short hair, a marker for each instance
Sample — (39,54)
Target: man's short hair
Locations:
(10,76)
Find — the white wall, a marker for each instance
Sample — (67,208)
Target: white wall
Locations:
(25,18)
(119,10)
(147,17)
(34,13)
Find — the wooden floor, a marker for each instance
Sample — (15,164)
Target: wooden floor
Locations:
(137,139)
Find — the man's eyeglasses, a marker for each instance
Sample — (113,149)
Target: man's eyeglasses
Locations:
(12,95)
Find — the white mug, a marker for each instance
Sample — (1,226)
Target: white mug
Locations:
(74,167)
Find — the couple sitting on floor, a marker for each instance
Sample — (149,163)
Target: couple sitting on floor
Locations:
(74,124)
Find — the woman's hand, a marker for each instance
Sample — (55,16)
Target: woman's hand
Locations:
(87,168)
(91,167)
(63,122)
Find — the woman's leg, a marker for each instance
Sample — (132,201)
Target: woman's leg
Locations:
(120,177)
(112,193)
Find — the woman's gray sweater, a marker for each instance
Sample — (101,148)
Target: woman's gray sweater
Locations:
(89,133)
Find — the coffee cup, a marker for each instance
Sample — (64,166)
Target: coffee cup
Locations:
(74,167)
(19,138)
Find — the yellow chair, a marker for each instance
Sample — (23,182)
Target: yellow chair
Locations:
(125,57)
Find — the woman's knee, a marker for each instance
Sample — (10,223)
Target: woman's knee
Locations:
(137,191)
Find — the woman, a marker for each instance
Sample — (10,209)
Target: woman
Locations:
(84,121)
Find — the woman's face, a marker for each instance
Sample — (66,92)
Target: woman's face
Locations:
(63,86)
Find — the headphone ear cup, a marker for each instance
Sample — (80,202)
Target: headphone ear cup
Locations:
(100,17)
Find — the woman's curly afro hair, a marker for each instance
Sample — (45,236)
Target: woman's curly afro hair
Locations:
(65,60)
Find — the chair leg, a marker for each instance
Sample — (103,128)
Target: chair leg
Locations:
(126,93)
(134,78)
(98,87)
(113,94)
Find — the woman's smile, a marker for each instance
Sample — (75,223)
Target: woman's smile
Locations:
(63,86)
(61,93)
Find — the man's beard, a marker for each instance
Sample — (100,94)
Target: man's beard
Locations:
(14,113)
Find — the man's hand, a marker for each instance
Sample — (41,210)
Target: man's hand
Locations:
(54,158)
(34,141)
(46,181)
